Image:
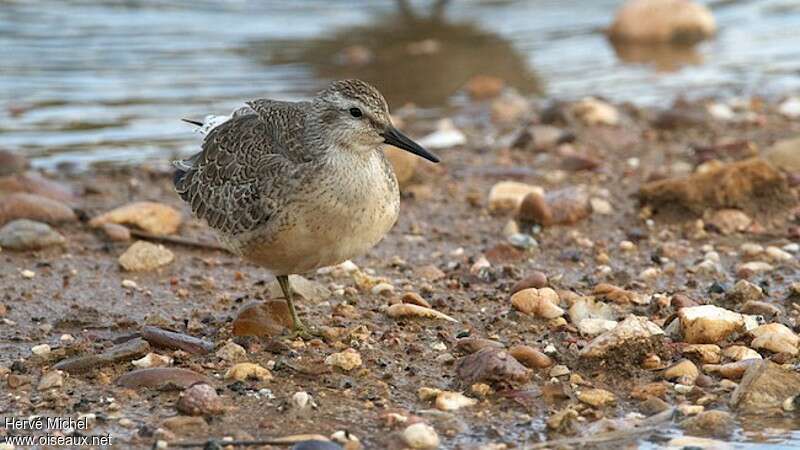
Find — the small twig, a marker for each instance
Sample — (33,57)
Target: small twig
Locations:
(177,240)
(647,425)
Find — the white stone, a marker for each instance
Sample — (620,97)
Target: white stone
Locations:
(452,401)
(775,337)
(709,324)
(445,136)
(41,350)
(421,435)
(346,360)
(790,107)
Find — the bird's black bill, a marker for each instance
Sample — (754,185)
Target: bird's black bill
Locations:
(400,140)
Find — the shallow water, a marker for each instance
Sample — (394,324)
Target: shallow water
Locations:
(88,81)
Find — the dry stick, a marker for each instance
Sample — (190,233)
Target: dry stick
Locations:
(177,240)
(647,425)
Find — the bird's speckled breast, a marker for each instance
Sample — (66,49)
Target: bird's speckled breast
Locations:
(347,208)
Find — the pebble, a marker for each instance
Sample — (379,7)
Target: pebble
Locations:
(618,295)
(633,329)
(775,337)
(731,371)
(34,207)
(740,353)
(248,371)
(23,234)
(538,302)
(28,274)
(592,111)
(596,397)
(593,327)
(152,217)
(346,360)
(268,318)
(152,360)
(764,388)
(709,324)
(506,196)
(790,107)
(382,289)
(421,436)
(144,256)
(535,280)
(429,272)
(200,400)
(530,357)
(453,401)
(744,291)
(750,249)
(412,298)
(753,268)
(682,370)
(508,108)
(601,206)
(185,425)
(52,379)
(707,353)
(778,255)
(301,399)
(129,284)
(232,352)
(491,365)
(445,136)
(116,233)
(160,378)
(696,443)
(41,350)
(729,221)
(523,241)
(709,423)
(408,310)
(559,370)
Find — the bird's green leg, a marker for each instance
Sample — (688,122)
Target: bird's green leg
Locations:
(298,328)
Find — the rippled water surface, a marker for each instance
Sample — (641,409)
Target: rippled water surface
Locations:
(85,81)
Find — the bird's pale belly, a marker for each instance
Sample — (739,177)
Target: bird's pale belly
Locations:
(326,232)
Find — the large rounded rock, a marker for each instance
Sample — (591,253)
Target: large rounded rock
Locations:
(34,207)
(26,234)
(662,21)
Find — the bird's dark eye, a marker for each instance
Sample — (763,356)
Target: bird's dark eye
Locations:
(355,112)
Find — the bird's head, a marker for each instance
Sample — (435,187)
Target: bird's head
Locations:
(353,116)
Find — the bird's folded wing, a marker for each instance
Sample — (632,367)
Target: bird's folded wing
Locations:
(240,177)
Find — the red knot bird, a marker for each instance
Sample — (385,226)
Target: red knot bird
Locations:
(295,186)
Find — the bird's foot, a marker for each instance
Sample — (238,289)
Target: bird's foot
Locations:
(304,332)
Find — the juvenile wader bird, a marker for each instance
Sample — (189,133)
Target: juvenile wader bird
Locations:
(295,186)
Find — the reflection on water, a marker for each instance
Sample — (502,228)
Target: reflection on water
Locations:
(663,57)
(409,55)
(89,80)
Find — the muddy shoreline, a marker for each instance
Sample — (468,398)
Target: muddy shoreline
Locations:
(462,251)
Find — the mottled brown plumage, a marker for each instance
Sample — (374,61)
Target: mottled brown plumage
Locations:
(297,186)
